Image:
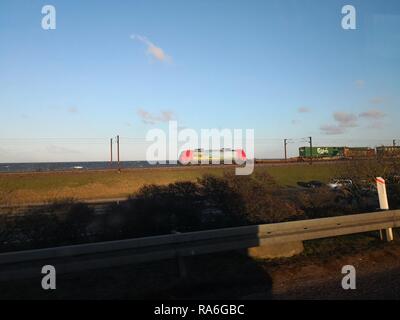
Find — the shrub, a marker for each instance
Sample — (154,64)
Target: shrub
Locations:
(248,199)
(363,174)
(393,190)
(59,223)
(322,202)
(158,209)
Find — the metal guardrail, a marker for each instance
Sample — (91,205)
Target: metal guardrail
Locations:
(25,264)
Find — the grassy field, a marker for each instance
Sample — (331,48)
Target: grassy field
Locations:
(19,188)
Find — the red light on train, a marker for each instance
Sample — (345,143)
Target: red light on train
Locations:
(186,157)
(241,155)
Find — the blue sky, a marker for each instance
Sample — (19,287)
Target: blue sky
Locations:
(286,69)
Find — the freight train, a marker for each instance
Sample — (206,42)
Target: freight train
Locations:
(332,153)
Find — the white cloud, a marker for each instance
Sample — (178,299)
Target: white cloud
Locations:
(359,83)
(149,118)
(332,129)
(303,110)
(345,120)
(377,100)
(72,110)
(152,49)
(372,114)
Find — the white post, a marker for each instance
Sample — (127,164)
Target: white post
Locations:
(384,205)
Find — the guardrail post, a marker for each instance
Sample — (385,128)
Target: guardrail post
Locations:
(384,205)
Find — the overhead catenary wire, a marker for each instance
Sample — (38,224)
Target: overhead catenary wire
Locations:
(264,145)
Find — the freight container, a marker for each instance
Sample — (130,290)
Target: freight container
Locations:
(321,152)
(388,151)
(359,152)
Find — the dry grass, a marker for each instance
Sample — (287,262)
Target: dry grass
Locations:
(20,188)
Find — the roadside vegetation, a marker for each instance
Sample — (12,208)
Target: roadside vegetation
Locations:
(211,201)
(363,174)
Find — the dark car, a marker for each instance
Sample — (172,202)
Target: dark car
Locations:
(310,184)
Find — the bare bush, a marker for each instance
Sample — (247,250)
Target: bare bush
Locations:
(248,199)
(58,224)
(363,174)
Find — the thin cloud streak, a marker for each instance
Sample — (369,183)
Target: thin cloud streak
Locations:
(345,120)
(152,49)
(373,114)
(72,110)
(149,118)
(377,100)
(359,83)
(332,129)
(303,110)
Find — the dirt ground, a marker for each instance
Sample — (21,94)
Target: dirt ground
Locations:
(377,276)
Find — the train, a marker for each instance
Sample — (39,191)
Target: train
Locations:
(320,152)
(332,153)
(222,156)
(388,152)
(238,156)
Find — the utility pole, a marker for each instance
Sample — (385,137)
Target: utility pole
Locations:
(311,151)
(119,167)
(285,143)
(111,152)
(285,146)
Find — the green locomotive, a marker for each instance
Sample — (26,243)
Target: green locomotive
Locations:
(321,152)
